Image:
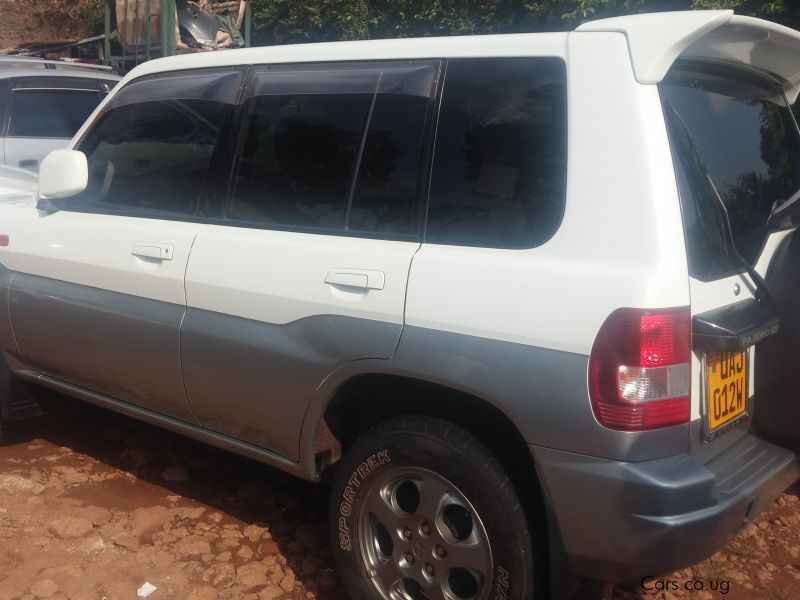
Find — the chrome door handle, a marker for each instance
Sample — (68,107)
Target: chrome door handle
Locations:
(154,250)
(356,278)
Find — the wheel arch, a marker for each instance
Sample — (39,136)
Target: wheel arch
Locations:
(344,407)
(350,410)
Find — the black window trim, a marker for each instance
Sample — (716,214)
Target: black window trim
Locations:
(5,94)
(154,77)
(51,82)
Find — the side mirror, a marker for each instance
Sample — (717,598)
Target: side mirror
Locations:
(63,173)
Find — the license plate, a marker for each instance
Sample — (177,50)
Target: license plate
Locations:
(726,386)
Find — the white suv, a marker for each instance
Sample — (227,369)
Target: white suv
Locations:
(505,293)
(43,103)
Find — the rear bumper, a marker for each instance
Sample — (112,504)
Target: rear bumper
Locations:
(624,521)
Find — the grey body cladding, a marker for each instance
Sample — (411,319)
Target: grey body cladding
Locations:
(542,391)
(253,380)
(268,385)
(7,343)
(247,380)
(114,344)
(643,518)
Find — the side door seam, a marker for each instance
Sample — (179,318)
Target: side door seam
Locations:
(422,219)
(8,310)
(180,327)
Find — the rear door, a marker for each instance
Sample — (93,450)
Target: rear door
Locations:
(736,150)
(98,296)
(43,115)
(306,264)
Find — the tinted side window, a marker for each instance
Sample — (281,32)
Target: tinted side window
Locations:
(387,186)
(499,167)
(298,159)
(338,149)
(150,157)
(50,113)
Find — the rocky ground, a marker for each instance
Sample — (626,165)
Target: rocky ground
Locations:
(93,505)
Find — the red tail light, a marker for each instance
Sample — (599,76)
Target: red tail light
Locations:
(639,369)
(4,240)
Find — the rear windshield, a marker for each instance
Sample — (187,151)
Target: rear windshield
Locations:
(733,138)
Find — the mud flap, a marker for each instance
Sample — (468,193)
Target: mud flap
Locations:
(777,361)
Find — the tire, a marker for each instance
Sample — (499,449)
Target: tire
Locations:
(421,509)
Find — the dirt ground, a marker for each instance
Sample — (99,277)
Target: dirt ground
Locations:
(93,505)
(48,20)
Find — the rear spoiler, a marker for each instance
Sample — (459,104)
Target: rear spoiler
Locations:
(657,40)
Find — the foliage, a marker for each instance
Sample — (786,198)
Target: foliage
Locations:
(288,21)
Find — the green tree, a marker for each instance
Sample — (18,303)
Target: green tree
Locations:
(288,21)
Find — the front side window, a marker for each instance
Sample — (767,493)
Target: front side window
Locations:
(499,166)
(336,150)
(735,143)
(149,152)
(50,113)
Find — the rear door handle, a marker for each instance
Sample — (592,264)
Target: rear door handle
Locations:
(356,278)
(154,250)
(29,164)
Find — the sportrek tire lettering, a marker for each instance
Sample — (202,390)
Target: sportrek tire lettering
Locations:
(502,588)
(354,482)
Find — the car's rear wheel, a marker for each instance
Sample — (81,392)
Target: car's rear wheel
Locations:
(421,509)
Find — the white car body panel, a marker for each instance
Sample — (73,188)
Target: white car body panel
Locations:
(657,40)
(595,253)
(28,153)
(17,185)
(278,277)
(55,246)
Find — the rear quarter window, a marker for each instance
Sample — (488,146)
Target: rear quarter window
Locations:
(499,167)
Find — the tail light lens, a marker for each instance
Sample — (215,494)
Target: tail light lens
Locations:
(639,369)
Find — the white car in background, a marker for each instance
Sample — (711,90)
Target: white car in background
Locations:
(17,185)
(43,103)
